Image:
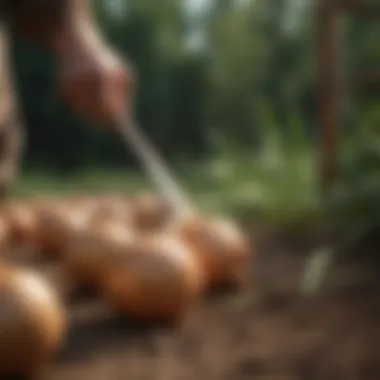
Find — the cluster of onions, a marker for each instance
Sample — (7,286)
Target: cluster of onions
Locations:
(125,254)
(84,226)
(146,263)
(89,234)
(149,265)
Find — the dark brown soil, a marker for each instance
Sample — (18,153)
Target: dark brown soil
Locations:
(263,332)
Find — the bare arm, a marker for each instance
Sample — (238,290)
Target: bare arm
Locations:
(92,78)
(11,136)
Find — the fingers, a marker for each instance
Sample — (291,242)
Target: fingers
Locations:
(96,83)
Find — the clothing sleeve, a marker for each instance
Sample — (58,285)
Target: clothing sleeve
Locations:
(35,20)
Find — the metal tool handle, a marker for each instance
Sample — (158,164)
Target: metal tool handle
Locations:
(155,167)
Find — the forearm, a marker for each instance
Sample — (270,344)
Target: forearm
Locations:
(92,78)
(10,121)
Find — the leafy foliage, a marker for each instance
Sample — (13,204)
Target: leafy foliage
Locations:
(231,82)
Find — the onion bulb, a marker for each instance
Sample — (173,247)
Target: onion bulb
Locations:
(5,235)
(22,220)
(56,224)
(221,247)
(80,202)
(90,252)
(159,281)
(111,209)
(32,322)
(149,213)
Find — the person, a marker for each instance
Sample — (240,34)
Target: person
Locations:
(92,78)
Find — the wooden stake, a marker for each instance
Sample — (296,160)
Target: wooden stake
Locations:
(328,38)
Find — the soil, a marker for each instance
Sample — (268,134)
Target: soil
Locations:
(264,331)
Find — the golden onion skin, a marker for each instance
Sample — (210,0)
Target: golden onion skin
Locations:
(21,218)
(32,322)
(90,252)
(57,224)
(222,249)
(149,213)
(5,235)
(111,210)
(159,281)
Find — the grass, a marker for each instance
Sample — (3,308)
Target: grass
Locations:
(279,189)
(276,184)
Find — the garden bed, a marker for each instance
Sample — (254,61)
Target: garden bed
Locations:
(265,332)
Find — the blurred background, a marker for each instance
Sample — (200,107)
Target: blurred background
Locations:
(227,91)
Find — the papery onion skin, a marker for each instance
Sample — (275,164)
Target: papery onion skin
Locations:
(32,322)
(159,282)
(222,248)
(90,252)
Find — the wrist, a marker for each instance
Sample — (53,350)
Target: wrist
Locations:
(77,39)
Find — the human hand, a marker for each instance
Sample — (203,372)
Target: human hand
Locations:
(95,81)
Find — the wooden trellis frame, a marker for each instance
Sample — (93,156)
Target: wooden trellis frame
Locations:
(328,13)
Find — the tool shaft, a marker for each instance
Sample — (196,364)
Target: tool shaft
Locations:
(155,167)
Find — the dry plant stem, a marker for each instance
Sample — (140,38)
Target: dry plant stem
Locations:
(156,169)
(321,261)
(318,263)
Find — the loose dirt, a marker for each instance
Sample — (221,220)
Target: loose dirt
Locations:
(266,331)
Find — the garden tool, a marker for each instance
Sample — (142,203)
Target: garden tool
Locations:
(155,167)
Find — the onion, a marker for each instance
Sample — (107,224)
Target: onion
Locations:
(56,224)
(149,213)
(89,252)
(159,281)
(32,322)
(111,209)
(220,246)
(22,221)
(80,202)
(5,235)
